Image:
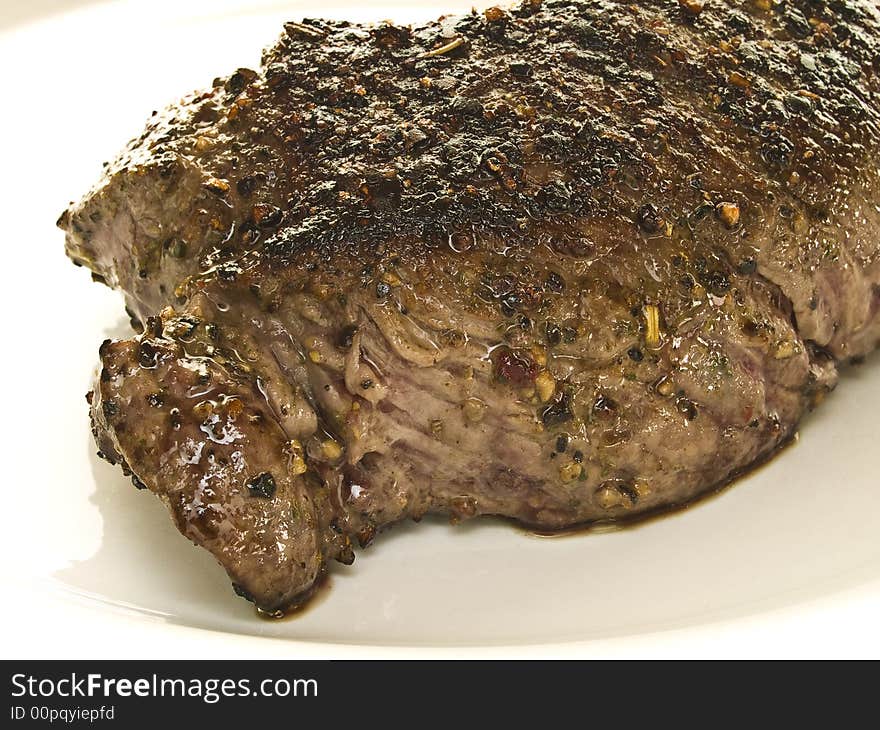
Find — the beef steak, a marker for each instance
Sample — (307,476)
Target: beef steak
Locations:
(576,261)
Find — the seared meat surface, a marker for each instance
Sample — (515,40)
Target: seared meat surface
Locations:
(565,263)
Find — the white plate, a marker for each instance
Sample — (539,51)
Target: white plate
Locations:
(788,561)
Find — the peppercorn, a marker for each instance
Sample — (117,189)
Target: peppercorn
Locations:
(555,282)
(262,485)
(246,186)
(559,410)
(649,219)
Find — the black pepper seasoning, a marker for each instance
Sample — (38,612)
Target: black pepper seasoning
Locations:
(262,485)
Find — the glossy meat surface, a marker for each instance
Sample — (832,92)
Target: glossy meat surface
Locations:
(566,263)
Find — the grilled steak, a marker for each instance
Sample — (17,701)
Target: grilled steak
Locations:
(566,263)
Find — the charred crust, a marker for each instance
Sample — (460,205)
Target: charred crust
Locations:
(432,131)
